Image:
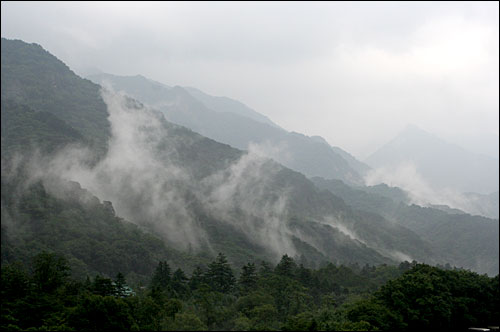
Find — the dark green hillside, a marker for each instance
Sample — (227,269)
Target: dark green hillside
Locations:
(309,210)
(24,129)
(248,207)
(32,76)
(72,222)
(461,239)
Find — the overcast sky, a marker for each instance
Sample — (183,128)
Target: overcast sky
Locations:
(355,73)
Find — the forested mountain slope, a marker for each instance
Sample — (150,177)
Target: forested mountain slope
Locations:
(464,240)
(33,77)
(196,194)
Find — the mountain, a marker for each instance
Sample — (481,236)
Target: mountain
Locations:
(442,164)
(228,105)
(231,122)
(24,128)
(484,205)
(150,91)
(52,87)
(461,239)
(195,195)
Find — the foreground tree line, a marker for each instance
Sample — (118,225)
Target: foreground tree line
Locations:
(287,296)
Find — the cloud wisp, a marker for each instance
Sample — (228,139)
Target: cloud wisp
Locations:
(420,191)
(142,176)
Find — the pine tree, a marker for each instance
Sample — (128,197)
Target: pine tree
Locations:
(248,278)
(50,271)
(161,277)
(103,286)
(265,269)
(120,285)
(179,283)
(304,276)
(286,267)
(197,278)
(219,275)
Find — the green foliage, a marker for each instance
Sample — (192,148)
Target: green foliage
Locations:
(264,317)
(245,304)
(179,282)
(93,239)
(96,312)
(188,322)
(248,278)
(286,267)
(49,271)
(220,275)
(24,130)
(161,276)
(210,305)
(376,315)
(427,297)
(33,77)
(197,279)
(15,282)
(103,286)
(420,298)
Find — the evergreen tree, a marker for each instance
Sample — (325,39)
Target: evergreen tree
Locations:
(87,284)
(120,285)
(103,286)
(179,283)
(286,267)
(197,278)
(50,271)
(304,276)
(220,275)
(248,278)
(265,269)
(161,276)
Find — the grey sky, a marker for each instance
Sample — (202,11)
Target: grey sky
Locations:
(355,73)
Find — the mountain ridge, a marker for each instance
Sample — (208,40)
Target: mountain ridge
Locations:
(179,155)
(307,155)
(190,189)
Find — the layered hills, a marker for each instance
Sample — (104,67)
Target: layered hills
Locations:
(78,161)
(451,232)
(231,122)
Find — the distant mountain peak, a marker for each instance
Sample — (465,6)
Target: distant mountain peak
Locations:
(440,163)
(412,130)
(412,127)
(319,139)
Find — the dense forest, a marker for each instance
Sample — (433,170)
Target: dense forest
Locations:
(217,296)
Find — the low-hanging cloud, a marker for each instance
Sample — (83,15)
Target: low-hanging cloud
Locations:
(420,192)
(142,177)
(244,188)
(143,188)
